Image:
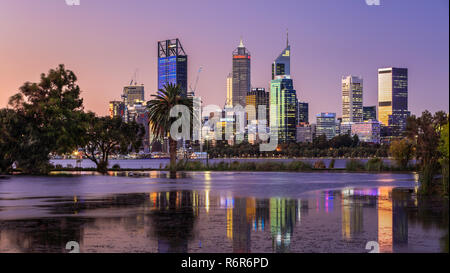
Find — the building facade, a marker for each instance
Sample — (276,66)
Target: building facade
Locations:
(326,125)
(282,64)
(305,133)
(229,101)
(241,75)
(369,113)
(283,109)
(393,99)
(133,94)
(303,112)
(117,109)
(352,99)
(172,64)
(368,131)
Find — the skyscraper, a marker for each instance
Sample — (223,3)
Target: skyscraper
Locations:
(282,64)
(393,98)
(133,94)
(172,64)
(352,99)
(369,113)
(229,101)
(257,97)
(241,75)
(326,125)
(303,112)
(283,108)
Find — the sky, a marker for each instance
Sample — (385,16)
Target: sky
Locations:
(105,41)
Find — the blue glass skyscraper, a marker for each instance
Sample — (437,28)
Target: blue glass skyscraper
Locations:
(172,64)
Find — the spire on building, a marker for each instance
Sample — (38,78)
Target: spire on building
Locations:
(241,44)
(287,38)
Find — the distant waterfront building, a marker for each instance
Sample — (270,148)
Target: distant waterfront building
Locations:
(305,133)
(352,99)
(133,94)
(172,64)
(368,131)
(282,64)
(283,109)
(369,113)
(257,97)
(326,125)
(346,128)
(303,112)
(241,75)
(229,101)
(117,109)
(393,99)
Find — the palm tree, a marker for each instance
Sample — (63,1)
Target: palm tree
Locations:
(159,117)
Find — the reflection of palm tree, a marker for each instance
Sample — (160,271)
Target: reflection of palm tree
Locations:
(173,222)
(159,115)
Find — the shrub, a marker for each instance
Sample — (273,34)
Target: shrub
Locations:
(319,165)
(374,165)
(331,166)
(354,165)
(116,167)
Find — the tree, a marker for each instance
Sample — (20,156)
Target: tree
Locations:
(444,149)
(50,111)
(425,132)
(107,136)
(9,138)
(402,152)
(159,116)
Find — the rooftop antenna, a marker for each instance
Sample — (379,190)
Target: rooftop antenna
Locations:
(287,37)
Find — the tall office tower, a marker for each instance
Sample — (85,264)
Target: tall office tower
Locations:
(369,113)
(133,94)
(283,108)
(303,112)
(172,64)
(352,99)
(241,75)
(257,97)
(282,65)
(116,109)
(393,98)
(229,101)
(326,125)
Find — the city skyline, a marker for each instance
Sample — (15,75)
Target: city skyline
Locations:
(103,67)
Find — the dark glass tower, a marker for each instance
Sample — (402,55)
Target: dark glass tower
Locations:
(282,64)
(172,64)
(393,99)
(303,112)
(241,74)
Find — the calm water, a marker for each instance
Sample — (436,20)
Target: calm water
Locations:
(219,212)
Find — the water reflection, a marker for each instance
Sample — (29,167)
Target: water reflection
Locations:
(200,221)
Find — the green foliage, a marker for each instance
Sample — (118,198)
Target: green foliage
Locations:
(159,114)
(107,136)
(425,133)
(266,166)
(47,119)
(444,161)
(331,165)
(354,165)
(116,167)
(375,165)
(319,165)
(402,151)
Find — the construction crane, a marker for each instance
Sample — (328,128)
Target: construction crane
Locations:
(192,90)
(134,78)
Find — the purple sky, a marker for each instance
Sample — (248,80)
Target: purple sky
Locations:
(105,41)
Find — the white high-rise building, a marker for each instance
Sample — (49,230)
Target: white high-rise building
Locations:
(352,99)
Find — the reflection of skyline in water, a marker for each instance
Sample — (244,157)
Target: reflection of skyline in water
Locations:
(199,221)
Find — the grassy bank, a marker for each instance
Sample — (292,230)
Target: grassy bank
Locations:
(352,165)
